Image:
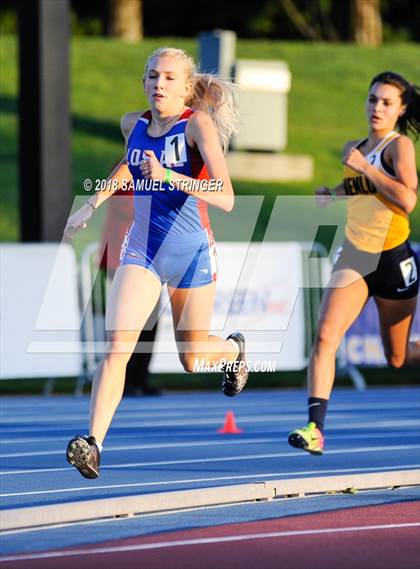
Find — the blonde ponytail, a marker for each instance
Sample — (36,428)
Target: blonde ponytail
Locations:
(219,99)
(210,94)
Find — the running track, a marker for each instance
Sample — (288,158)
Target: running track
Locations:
(171,443)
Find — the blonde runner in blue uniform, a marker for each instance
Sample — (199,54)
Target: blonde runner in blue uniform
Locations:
(376,259)
(175,161)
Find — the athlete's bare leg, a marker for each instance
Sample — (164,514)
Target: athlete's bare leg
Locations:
(396,318)
(133,295)
(192,311)
(341,304)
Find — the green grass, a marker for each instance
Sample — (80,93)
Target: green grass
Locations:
(326,104)
(326,101)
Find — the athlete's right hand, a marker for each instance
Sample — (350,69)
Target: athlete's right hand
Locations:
(323,197)
(77,221)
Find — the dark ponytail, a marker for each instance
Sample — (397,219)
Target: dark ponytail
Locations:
(410,96)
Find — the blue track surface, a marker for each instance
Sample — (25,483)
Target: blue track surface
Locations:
(171,443)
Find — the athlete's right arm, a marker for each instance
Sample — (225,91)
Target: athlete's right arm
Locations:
(325,196)
(120,177)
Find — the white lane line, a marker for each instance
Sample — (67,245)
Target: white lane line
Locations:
(412,401)
(150,413)
(203,541)
(151,423)
(212,479)
(260,456)
(388,448)
(121,415)
(31,440)
(218,442)
(258,419)
(150,446)
(10,415)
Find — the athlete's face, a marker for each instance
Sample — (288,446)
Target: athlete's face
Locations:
(383,107)
(166,84)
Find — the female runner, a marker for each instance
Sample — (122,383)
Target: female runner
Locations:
(175,160)
(376,259)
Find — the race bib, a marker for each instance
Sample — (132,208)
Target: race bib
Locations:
(175,150)
(409,271)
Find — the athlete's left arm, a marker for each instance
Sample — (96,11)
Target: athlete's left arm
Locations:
(201,132)
(401,191)
(217,191)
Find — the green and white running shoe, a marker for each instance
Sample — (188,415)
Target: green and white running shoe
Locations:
(308,438)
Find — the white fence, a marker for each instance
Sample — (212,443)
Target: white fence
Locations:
(49,330)
(39,311)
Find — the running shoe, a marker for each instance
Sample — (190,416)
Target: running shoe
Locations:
(308,438)
(83,453)
(236,372)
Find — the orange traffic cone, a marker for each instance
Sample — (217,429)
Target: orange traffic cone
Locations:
(230,428)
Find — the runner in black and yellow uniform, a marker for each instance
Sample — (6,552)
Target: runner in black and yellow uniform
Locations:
(376,259)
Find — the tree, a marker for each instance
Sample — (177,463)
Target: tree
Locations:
(126,20)
(312,20)
(298,19)
(366,22)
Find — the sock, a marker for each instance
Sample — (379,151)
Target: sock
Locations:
(317,409)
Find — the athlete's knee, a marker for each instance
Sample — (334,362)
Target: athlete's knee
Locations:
(120,346)
(189,361)
(327,337)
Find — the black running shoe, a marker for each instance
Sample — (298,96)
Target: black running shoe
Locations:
(83,454)
(236,372)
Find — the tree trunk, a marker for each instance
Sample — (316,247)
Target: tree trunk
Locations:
(126,21)
(297,18)
(366,22)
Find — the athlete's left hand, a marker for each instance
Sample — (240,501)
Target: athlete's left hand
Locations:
(151,168)
(323,197)
(355,160)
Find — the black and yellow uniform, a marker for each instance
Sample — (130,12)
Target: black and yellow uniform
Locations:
(376,243)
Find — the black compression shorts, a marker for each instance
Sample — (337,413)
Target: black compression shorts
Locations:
(392,274)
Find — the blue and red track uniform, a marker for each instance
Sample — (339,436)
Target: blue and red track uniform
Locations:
(171,233)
